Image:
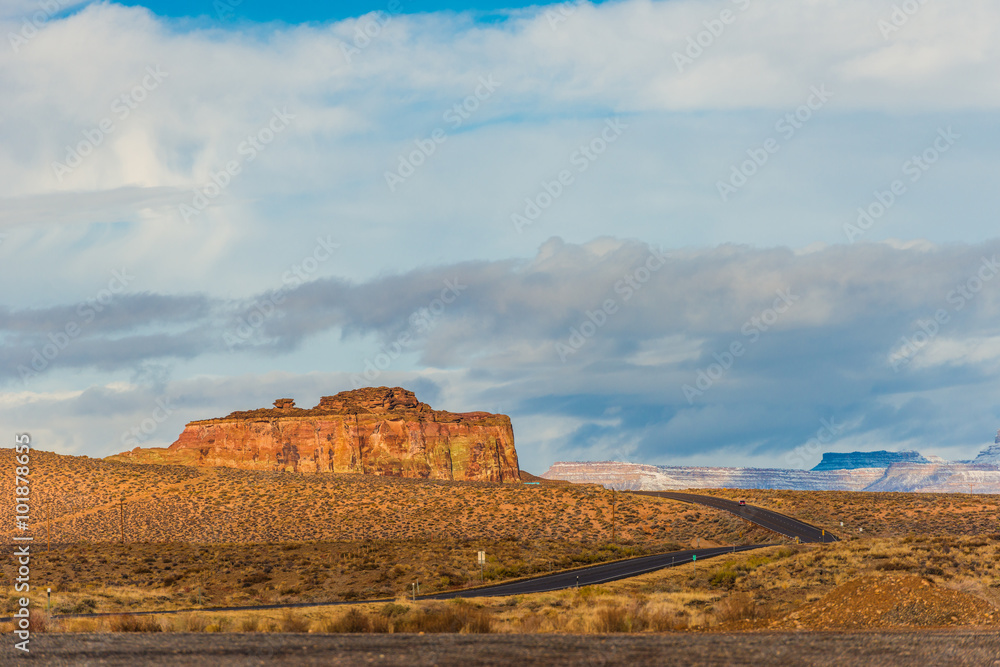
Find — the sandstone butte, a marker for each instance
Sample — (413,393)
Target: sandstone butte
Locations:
(374,431)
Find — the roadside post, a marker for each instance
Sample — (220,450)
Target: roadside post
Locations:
(482,563)
(694,559)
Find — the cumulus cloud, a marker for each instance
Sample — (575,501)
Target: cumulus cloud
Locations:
(649,354)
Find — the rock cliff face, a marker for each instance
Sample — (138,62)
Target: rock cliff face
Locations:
(376,431)
(989,456)
(879,459)
(980,476)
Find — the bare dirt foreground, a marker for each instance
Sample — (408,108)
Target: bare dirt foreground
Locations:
(220,650)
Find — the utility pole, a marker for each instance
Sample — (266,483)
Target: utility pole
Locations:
(614,499)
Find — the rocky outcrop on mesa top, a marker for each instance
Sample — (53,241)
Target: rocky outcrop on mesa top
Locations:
(376,431)
(855,460)
(852,471)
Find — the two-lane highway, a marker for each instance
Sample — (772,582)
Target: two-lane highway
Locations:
(595,574)
(779,523)
(585,576)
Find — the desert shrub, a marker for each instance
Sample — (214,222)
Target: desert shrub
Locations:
(391,609)
(85,606)
(612,619)
(895,565)
(250,624)
(723,578)
(451,618)
(219,624)
(665,621)
(254,578)
(353,621)
(618,618)
(130,623)
(195,623)
(736,607)
(293,622)
(39,620)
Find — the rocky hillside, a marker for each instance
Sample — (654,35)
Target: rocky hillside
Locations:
(980,476)
(375,431)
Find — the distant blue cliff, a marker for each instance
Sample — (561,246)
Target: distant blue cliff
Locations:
(879,459)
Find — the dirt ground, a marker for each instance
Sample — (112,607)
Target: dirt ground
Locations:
(942,649)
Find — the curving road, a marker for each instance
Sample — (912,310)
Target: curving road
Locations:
(779,523)
(594,574)
(585,576)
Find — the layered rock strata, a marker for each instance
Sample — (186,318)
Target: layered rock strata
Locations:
(376,431)
(900,476)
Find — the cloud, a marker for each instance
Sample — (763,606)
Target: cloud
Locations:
(633,344)
(432,284)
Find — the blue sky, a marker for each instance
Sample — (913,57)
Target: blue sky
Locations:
(298,11)
(228,211)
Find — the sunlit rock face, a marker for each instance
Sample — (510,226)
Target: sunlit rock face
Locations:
(375,430)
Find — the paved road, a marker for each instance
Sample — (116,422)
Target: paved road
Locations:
(595,574)
(787,649)
(779,523)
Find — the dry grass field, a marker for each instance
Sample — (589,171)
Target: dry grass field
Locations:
(201,537)
(879,584)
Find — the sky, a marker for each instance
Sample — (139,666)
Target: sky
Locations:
(713,232)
